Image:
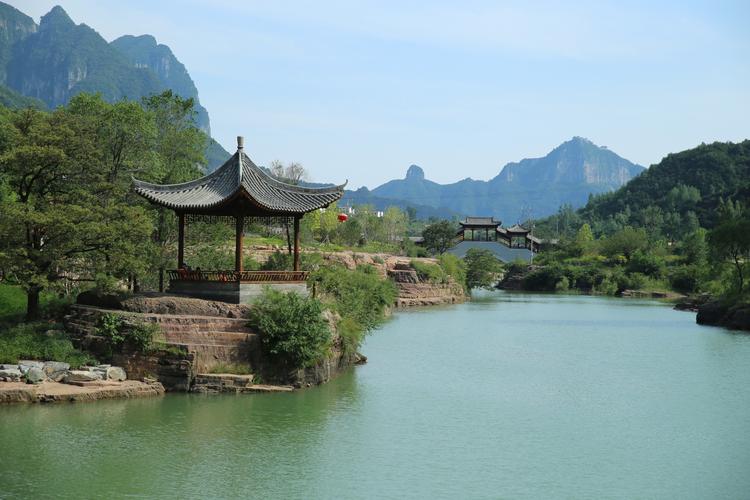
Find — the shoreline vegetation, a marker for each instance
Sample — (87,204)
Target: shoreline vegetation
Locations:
(70,222)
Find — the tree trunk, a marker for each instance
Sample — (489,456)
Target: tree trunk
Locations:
(32,303)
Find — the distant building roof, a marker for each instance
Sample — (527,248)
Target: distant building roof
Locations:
(516,229)
(480,222)
(239,185)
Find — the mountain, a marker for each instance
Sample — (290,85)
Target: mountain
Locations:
(12,99)
(534,187)
(58,59)
(694,181)
(143,52)
(14,26)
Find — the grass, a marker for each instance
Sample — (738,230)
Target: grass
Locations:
(231,368)
(13,303)
(41,341)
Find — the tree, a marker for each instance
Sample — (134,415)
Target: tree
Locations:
(64,218)
(394,222)
(481,268)
(730,240)
(625,242)
(292,173)
(438,237)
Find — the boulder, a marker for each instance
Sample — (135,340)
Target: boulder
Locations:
(10,374)
(81,376)
(116,373)
(25,364)
(56,370)
(35,375)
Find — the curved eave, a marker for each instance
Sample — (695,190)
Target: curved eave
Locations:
(239,178)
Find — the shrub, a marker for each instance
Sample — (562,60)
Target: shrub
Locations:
(454,267)
(562,285)
(482,268)
(647,264)
(543,279)
(431,273)
(141,335)
(293,328)
(109,326)
(233,368)
(117,333)
(686,279)
(360,294)
(37,341)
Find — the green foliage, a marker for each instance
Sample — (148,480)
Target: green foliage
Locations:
(730,241)
(438,237)
(118,333)
(232,368)
(454,267)
(109,326)
(37,341)
(293,328)
(141,335)
(625,242)
(482,268)
(359,294)
(431,273)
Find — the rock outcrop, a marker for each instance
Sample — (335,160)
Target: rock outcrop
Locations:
(736,317)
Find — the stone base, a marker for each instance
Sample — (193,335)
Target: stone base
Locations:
(54,392)
(232,292)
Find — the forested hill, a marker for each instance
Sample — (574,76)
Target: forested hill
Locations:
(533,187)
(57,59)
(671,198)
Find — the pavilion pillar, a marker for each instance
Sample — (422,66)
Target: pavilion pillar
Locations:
(180,240)
(238,235)
(296,243)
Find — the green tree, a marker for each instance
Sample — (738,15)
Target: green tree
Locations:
(481,268)
(439,236)
(625,242)
(730,240)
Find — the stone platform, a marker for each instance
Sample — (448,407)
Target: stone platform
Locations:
(55,392)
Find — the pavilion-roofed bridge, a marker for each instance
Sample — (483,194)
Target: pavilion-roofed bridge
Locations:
(241,190)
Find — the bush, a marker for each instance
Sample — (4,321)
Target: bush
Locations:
(647,264)
(431,273)
(544,279)
(454,267)
(360,294)
(37,341)
(282,261)
(687,279)
(482,268)
(117,333)
(293,328)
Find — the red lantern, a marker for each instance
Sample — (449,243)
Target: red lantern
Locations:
(343,217)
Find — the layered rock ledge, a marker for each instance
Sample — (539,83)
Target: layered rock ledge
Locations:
(55,392)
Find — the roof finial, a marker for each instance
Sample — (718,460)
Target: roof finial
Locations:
(240,142)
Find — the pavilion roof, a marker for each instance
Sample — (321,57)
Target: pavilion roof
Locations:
(516,228)
(480,221)
(239,178)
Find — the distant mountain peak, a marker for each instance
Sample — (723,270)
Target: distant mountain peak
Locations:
(415,172)
(56,17)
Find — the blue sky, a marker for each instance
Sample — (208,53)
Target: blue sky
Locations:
(361,90)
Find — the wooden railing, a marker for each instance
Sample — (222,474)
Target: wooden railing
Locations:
(242,277)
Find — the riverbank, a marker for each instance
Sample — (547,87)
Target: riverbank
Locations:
(56,392)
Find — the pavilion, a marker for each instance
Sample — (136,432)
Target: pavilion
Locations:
(489,229)
(241,191)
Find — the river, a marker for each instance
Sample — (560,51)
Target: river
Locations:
(509,396)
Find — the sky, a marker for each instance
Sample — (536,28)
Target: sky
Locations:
(360,90)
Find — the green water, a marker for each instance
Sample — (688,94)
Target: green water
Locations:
(511,396)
